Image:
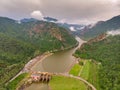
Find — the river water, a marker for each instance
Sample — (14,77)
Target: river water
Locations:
(58,62)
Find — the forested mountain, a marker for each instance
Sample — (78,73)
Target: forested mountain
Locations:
(25,20)
(106,51)
(48,19)
(37,33)
(19,42)
(101,27)
(75,29)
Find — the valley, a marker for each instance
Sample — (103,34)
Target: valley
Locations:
(63,61)
(74,64)
(19,43)
(60,62)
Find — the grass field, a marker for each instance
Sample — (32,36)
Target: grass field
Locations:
(75,70)
(88,71)
(14,84)
(66,83)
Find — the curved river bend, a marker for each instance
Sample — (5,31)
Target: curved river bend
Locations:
(59,62)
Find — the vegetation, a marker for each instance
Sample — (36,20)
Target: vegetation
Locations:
(14,84)
(19,42)
(85,70)
(107,53)
(75,70)
(88,71)
(66,83)
(102,27)
(81,63)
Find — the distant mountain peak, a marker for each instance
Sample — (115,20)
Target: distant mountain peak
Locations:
(102,27)
(50,19)
(25,20)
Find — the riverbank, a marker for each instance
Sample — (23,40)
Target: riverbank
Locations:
(27,68)
(35,60)
(49,63)
(70,47)
(38,59)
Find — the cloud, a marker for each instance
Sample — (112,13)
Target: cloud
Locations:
(37,15)
(114,32)
(72,29)
(81,10)
(18,9)
(62,21)
(73,11)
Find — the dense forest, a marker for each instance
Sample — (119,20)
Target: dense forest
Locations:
(107,53)
(19,42)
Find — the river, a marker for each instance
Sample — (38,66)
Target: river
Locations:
(59,62)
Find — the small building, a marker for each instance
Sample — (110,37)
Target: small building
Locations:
(35,77)
(40,77)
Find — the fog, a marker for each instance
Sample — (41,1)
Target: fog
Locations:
(114,32)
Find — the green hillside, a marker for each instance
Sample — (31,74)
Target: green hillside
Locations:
(101,27)
(19,42)
(107,53)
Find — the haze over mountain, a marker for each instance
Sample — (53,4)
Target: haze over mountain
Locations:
(114,32)
(75,29)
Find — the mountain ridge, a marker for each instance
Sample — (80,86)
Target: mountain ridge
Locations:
(106,53)
(101,27)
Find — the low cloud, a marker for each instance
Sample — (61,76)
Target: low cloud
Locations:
(114,32)
(37,15)
(72,29)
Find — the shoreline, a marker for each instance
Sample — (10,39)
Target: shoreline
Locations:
(31,63)
(28,67)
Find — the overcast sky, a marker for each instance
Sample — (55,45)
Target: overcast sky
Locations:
(73,11)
